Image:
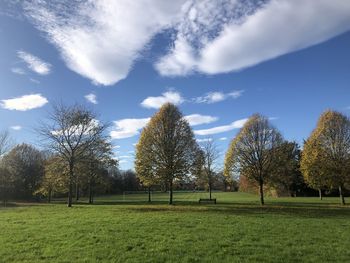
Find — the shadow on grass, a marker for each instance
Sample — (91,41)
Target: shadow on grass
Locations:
(249,208)
(301,210)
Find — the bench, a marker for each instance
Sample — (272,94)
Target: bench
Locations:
(207,200)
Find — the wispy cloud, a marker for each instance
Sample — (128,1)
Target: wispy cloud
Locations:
(223,138)
(204,140)
(18,71)
(16,127)
(126,156)
(219,129)
(156,102)
(113,33)
(91,98)
(209,36)
(217,96)
(34,63)
(24,103)
(34,81)
(126,128)
(225,36)
(197,119)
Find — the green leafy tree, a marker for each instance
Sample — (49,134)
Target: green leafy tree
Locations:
(98,160)
(286,175)
(170,146)
(252,151)
(26,166)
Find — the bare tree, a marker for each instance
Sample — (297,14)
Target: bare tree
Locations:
(5,142)
(70,132)
(210,155)
(252,151)
(6,179)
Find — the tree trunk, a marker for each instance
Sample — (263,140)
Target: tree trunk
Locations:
(149,194)
(320,193)
(90,192)
(171,192)
(77,196)
(70,190)
(209,191)
(49,196)
(261,188)
(341,195)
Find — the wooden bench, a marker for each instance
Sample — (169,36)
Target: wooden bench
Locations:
(207,200)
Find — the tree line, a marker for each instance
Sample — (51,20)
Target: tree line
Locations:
(77,158)
(167,152)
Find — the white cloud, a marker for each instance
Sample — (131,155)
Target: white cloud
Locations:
(101,39)
(34,81)
(126,128)
(204,140)
(125,156)
(34,63)
(16,127)
(24,103)
(157,102)
(223,139)
(91,98)
(210,36)
(225,36)
(197,119)
(122,161)
(219,129)
(18,71)
(216,96)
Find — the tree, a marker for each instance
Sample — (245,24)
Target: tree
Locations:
(143,163)
(312,164)
(209,154)
(286,174)
(26,166)
(330,144)
(70,133)
(170,146)
(98,160)
(55,179)
(6,180)
(252,151)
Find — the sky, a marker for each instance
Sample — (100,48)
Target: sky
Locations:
(219,61)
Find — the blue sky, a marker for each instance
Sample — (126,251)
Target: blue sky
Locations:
(219,61)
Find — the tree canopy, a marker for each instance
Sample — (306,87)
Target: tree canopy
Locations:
(167,148)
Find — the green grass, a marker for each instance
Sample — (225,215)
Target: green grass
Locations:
(237,229)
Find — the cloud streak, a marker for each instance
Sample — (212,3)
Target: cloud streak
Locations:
(126,128)
(113,33)
(91,98)
(157,102)
(259,34)
(220,129)
(24,103)
(34,63)
(217,96)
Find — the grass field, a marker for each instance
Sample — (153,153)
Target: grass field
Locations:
(237,229)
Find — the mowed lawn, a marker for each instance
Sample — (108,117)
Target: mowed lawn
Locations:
(128,229)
